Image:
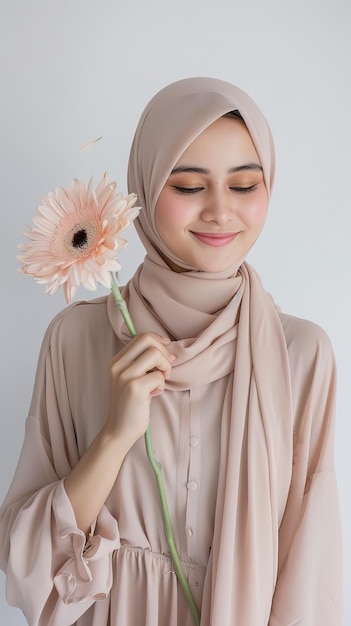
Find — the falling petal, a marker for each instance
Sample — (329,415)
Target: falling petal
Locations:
(86,146)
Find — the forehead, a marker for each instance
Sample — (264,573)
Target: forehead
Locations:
(226,139)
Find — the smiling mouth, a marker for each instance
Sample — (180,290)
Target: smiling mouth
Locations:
(215,240)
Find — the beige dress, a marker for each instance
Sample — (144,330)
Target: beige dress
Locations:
(123,575)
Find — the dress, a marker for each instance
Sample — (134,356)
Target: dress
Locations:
(123,575)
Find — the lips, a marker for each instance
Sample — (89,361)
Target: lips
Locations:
(215,240)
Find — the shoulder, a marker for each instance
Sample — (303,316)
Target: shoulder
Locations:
(82,327)
(79,317)
(305,339)
(310,351)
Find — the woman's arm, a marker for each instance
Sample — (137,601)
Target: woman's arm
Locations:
(54,571)
(138,373)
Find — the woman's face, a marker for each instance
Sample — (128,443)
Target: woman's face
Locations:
(214,203)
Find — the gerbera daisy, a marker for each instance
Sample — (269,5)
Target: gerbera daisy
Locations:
(76,236)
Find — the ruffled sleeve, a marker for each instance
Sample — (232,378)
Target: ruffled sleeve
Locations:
(309,585)
(53,572)
(87,574)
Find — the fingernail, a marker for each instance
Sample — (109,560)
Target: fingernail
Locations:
(166,339)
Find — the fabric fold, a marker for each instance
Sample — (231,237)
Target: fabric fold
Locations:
(87,575)
(256,424)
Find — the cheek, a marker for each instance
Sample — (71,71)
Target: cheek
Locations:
(256,210)
(170,214)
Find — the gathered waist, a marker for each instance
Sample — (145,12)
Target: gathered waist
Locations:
(161,560)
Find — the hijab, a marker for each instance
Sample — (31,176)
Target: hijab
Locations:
(220,324)
(169,124)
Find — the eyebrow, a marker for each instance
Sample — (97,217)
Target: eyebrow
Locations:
(200,170)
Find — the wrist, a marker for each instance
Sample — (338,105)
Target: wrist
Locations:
(111,437)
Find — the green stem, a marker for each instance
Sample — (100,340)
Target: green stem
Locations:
(157,469)
(122,306)
(156,466)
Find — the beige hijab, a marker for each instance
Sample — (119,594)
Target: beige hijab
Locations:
(221,324)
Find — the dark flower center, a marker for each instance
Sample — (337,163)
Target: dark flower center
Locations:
(80,239)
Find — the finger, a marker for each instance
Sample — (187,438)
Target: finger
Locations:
(147,386)
(137,346)
(141,342)
(150,360)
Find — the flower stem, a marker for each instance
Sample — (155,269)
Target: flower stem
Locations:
(122,306)
(157,469)
(156,466)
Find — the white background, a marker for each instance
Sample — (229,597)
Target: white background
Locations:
(72,70)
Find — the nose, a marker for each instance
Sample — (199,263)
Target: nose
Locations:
(219,206)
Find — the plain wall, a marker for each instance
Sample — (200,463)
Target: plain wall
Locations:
(74,70)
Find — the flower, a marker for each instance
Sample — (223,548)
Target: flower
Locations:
(76,236)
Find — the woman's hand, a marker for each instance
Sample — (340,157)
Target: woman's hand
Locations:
(138,373)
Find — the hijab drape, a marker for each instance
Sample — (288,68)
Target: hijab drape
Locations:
(221,324)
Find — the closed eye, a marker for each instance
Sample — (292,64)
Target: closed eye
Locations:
(244,189)
(187,189)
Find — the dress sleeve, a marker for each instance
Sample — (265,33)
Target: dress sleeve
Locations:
(309,586)
(53,572)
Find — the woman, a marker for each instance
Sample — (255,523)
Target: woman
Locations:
(240,399)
